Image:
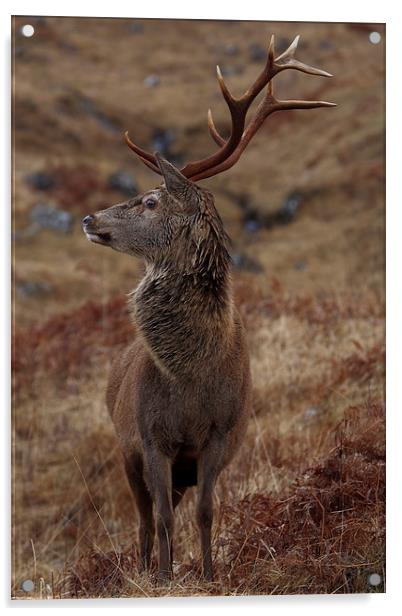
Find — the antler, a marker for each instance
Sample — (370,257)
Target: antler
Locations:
(230,151)
(147,158)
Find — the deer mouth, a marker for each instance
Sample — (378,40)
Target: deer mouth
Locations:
(98,238)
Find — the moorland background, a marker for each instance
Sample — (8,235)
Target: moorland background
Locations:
(302,509)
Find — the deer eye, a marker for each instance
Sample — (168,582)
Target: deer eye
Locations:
(150,203)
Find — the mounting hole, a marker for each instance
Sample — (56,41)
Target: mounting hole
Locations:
(28,30)
(27,585)
(375,38)
(374,579)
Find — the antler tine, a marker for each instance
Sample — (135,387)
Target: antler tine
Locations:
(148,159)
(268,105)
(238,112)
(212,130)
(225,90)
(230,150)
(150,165)
(238,108)
(287,60)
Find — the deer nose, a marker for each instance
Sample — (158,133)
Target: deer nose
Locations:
(88,219)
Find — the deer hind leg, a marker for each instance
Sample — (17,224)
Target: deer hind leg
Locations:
(134,470)
(159,479)
(209,466)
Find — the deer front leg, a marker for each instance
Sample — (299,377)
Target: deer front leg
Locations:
(209,466)
(158,472)
(135,475)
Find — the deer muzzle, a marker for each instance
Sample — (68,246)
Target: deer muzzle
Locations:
(91,231)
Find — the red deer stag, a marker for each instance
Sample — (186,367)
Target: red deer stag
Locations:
(179,395)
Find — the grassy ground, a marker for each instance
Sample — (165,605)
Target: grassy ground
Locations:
(302,508)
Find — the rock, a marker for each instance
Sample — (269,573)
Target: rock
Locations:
(300,266)
(162,140)
(252,224)
(91,108)
(282,43)
(310,414)
(257,52)
(124,183)
(41,180)
(68,46)
(231,49)
(289,207)
(326,45)
(151,81)
(252,220)
(47,216)
(30,288)
(243,262)
(136,28)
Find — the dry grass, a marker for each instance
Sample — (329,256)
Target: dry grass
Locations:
(315,444)
(302,508)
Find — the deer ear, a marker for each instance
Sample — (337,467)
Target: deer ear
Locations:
(177,185)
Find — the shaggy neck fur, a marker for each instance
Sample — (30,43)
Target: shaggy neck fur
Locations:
(183,305)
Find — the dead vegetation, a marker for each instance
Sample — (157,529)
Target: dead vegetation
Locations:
(302,509)
(314,534)
(323,533)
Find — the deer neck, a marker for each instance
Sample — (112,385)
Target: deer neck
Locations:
(185,314)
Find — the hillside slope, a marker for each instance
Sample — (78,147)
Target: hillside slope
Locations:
(302,509)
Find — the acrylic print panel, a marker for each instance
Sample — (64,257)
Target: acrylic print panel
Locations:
(300,509)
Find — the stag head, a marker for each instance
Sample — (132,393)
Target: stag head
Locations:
(149,225)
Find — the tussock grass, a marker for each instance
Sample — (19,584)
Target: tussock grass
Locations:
(300,510)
